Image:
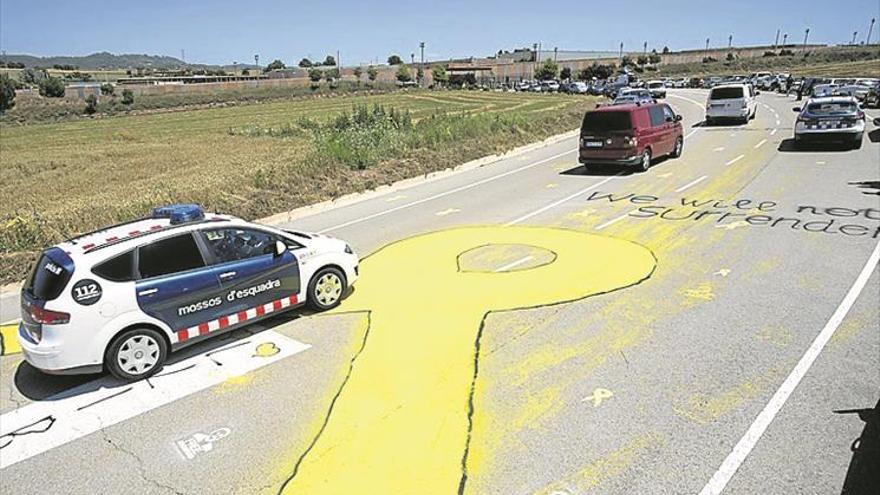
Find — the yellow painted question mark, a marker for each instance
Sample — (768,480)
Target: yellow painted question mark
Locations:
(401,422)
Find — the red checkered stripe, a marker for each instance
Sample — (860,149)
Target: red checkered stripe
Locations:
(133,233)
(207,327)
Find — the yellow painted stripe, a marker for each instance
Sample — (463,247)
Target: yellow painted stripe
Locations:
(9,342)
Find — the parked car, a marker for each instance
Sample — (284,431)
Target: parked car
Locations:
(522,86)
(125,297)
(713,81)
(631,96)
(872,98)
(549,86)
(630,135)
(578,88)
(696,82)
(824,90)
(731,101)
(835,118)
(657,89)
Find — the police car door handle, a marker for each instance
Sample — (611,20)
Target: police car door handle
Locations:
(148,292)
(227,274)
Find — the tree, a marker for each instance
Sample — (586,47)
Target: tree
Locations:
(654,58)
(642,60)
(52,87)
(331,74)
(275,65)
(372,73)
(315,74)
(358,72)
(127,97)
(330,61)
(547,71)
(91,104)
(305,63)
(665,50)
(403,74)
(107,89)
(438,72)
(565,73)
(394,60)
(730,57)
(7,93)
(420,74)
(626,61)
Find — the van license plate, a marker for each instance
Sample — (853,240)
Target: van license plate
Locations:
(594,144)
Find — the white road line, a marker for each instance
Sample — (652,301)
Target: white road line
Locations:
(718,149)
(694,131)
(778,122)
(563,200)
(745,445)
(85,409)
(613,221)
(513,264)
(692,183)
(731,162)
(773,131)
(445,193)
(760,144)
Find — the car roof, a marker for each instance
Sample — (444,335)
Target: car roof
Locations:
(101,244)
(832,99)
(731,85)
(629,107)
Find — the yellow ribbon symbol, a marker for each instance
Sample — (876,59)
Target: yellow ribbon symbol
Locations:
(266,349)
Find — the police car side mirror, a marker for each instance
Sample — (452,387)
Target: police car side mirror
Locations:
(678,118)
(280,248)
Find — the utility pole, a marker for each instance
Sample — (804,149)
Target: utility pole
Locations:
(784,39)
(257,61)
(555,51)
(853,42)
(422,55)
(806,36)
(621,52)
(646,48)
(870,30)
(729,41)
(776,43)
(339,63)
(707,46)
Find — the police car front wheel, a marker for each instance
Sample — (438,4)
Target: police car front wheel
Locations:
(326,289)
(136,354)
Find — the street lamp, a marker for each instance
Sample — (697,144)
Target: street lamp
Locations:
(784,39)
(870,29)
(257,61)
(806,37)
(729,41)
(853,42)
(707,44)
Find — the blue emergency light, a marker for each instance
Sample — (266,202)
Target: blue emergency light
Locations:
(180,213)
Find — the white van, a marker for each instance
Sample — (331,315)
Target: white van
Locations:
(731,101)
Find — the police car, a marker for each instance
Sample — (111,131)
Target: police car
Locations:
(121,299)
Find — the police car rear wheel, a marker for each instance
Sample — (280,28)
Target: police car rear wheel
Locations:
(136,354)
(325,289)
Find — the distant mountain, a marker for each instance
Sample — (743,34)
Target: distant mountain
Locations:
(105,60)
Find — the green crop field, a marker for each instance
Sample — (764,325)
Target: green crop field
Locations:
(252,160)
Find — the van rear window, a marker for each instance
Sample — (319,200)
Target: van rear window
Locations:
(49,278)
(726,93)
(607,121)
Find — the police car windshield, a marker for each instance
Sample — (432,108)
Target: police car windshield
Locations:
(48,279)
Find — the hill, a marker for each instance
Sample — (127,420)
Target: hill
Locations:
(106,60)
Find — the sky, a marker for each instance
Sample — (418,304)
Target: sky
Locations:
(227,31)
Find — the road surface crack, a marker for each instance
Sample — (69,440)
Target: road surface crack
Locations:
(140,463)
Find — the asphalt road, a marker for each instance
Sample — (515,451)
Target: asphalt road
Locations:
(739,357)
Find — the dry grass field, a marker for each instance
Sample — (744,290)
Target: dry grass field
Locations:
(252,160)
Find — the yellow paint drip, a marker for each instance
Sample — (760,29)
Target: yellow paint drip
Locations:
(400,423)
(10,339)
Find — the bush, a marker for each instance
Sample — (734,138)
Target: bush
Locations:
(769,53)
(439,74)
(127,96)
(91,104)
(275,65)
(305,63)
(731,57)
(403,74)
(52,87)
(654,58)
(394,60)
(707,60)
(372,73)
(565,73)
(330,61)
(7,93)
(548,70)
(315,75)
(107,89)
(785,52)
(642,60)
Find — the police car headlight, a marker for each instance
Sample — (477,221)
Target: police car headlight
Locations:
(348,249)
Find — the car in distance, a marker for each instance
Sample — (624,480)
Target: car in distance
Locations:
(731,101)
(824,90)
(629,96)
(630,135)
(834,118)
(872,97)
(578,88)
(122,298)
(657,89)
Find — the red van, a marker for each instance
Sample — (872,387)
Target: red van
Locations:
(632,135)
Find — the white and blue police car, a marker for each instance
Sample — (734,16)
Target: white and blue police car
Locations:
(122,298)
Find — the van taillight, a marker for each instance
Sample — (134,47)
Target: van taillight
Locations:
(48,317)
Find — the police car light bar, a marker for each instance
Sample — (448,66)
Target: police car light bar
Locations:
(180,213)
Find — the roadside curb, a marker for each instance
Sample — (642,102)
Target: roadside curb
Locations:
(354,198)
(403,184)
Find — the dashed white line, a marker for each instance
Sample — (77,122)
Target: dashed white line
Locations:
(760,144)
(513,264)
(445,193)
(612,221)
(731,162)
(691,184)
(563,200)
(773,131)
(745,445)
(719,149)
